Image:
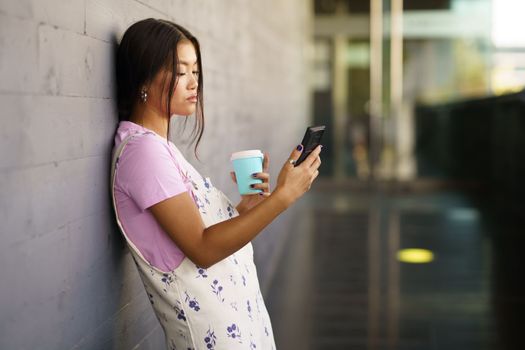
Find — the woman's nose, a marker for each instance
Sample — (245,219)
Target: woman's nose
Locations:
(194,81)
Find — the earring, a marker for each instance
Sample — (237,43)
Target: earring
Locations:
(143,95)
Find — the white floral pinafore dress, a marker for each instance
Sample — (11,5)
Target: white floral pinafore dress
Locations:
(216,308)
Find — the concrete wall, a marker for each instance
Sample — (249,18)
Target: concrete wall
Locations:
(67,280)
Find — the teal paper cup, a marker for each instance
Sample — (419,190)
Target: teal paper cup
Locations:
(245,163)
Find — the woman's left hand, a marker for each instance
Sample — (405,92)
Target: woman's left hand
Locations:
(250,200)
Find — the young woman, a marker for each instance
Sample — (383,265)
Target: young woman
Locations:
(191,245)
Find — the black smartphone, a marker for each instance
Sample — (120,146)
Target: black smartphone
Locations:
(311,139)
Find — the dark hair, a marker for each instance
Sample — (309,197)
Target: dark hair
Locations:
(146,47)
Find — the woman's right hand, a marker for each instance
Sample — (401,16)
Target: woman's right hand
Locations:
(293,181)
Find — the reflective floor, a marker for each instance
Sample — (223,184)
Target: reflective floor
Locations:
(340,284)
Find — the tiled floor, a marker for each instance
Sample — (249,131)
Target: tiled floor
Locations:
(340,285)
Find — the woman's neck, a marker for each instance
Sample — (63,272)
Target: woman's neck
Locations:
(150,119)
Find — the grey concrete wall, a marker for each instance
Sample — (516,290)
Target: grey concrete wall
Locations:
(67,280)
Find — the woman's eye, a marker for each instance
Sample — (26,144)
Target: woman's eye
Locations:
(195,72)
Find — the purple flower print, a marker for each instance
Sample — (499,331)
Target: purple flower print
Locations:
(243,280)
(233,259)
(210,339)
(230,210)
(194,305)
(194,184)
(201,272)
(192,302)
(167,279)
(232,280)
(234,332)
(150,297)
(195,199)
(180,313)
(252,344)
(206,183)
(198,203)
(249,308)
(217,289)
(266,331)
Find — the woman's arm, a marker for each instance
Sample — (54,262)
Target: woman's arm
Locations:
(180,218)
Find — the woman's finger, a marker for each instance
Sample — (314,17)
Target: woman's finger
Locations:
(232,175)
(266,162)
(312,157)
(294,156)
(262,176)
(316,164)
(261,186)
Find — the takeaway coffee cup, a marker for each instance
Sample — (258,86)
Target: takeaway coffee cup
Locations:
(245,163)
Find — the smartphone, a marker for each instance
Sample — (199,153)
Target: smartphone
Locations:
(311,139)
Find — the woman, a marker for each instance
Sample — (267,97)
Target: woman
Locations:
(190,244)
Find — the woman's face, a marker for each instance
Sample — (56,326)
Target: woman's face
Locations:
(184,99)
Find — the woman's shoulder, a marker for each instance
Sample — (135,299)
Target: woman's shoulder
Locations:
(145,151)
(144,147)
(146,139)
(146,144)
(138,137)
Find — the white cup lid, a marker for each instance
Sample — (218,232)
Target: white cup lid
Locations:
(247,154)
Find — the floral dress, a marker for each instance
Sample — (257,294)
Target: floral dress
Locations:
(220,307)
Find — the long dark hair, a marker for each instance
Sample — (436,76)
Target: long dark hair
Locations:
(146,47)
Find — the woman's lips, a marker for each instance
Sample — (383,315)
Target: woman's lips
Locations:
(192,99)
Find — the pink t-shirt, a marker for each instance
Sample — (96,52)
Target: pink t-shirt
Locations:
(148,173)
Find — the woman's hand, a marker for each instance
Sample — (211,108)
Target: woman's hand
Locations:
(249,201)
(293,181)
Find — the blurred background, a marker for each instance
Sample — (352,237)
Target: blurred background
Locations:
(415,228)
(411,236)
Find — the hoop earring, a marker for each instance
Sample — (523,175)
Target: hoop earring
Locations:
(143,95)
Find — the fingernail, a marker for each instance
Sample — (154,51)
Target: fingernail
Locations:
(321,146)
(261,193)
(300,147)
(252,185)
(254,175)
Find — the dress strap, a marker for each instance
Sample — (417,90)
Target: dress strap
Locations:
(114,167)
